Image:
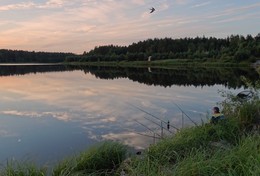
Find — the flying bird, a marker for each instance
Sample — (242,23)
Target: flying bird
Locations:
(152,10)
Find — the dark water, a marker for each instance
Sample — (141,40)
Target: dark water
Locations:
(49,112)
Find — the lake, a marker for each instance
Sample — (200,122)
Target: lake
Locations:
(50,112)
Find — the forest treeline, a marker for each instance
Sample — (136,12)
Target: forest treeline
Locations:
(235,48)
(19,56)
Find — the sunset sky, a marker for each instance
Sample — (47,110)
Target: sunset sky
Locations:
(80,25)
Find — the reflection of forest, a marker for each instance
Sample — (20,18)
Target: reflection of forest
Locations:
(8,70)
(229,77)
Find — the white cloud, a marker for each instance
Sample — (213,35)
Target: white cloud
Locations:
(32,5)
(201,4)
(55,2)
(182,2)
(138,2)
(164,6)
(247,7)
(109,119)
(238,18)
(64,116)
(20,113)
(234,10)
(24,5)
(130,138)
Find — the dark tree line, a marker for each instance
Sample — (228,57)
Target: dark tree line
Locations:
(18,56)
(9,70)
(196,76)
(234,48)
(229,77)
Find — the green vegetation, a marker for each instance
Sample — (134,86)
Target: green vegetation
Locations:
(19,56)
(168,63)
(103,159)
(231,147)
(14,168)
(233,49)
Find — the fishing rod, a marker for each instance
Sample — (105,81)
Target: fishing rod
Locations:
(146,135)
(153,116)
(158,125)
(185,114)
(148,128)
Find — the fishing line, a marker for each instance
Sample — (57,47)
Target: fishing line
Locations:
(159,125)
(148,128)
(152,116)
(185,114)
(139,133)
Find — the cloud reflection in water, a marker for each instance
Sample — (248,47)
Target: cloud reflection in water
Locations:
(97,109)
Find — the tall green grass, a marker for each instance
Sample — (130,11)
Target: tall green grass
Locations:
(195,137)
(194,152)
(15,168)
(241,159)
(231,147)
(189,144)
(102,159)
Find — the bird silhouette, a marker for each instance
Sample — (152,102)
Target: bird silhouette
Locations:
(152,10)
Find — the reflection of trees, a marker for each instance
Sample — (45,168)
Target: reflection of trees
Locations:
(229,77)
(26,69)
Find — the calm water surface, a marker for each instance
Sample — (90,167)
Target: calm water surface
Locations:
(47,116)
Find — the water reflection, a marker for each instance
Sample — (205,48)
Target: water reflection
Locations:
(196,76)
(58,111)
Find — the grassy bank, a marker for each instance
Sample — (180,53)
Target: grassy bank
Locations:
(231,147)
(164,63)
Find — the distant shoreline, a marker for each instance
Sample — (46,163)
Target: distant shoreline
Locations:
(24,64)
(170,63)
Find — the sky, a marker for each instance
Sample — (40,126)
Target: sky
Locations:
(81,25)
